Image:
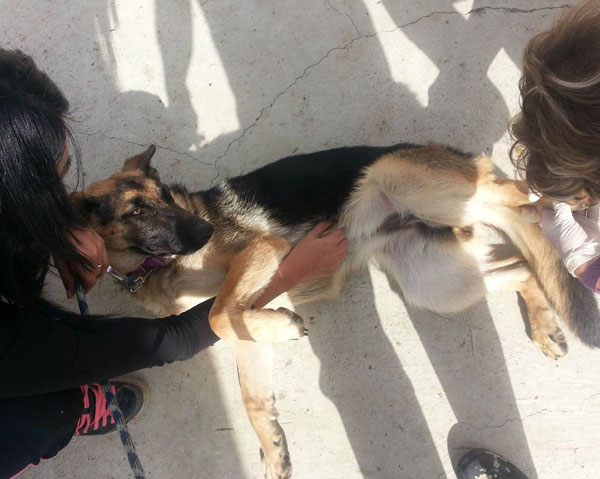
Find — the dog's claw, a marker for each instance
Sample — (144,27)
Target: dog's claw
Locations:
(291,326)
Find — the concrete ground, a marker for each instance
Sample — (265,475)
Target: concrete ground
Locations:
(378,390)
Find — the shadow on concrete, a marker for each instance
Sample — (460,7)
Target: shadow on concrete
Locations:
(360,372)
(359,103)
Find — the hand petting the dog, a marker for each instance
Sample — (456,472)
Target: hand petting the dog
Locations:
(89,244)
(318,255)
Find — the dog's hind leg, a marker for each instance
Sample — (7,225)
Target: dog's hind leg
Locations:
(252,269)
(255,374)
(515,274)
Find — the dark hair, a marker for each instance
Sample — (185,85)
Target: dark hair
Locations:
(36,215)
(557,134)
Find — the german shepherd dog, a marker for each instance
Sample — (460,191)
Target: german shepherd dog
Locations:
(417,211)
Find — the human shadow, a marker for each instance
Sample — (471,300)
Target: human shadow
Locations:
(375,398)
(468,359)
(480,389)
(272,52)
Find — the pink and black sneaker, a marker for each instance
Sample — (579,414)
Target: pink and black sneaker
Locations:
(96,418)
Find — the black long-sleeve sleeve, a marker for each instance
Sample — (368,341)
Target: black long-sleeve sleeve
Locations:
(39,353)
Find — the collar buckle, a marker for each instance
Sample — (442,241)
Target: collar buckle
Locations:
(131,284)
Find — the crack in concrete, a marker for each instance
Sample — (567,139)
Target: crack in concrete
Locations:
(283,92)
(348,45)
(478,10)
(344,14)
(183,153)
(472,343)
(352,22)
(520,10)
(513,419)
(509,419)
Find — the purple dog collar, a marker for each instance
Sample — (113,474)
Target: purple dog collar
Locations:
(591,276)
(148,265)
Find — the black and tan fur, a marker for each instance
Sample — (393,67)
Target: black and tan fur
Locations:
(417,211)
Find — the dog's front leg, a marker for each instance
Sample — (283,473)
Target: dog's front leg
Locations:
(252,269)
(254,363)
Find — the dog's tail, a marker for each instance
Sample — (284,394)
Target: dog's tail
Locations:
(574,303)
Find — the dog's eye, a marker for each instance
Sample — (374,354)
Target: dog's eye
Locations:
(137,212)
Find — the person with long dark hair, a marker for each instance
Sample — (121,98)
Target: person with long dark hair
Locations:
(51,359)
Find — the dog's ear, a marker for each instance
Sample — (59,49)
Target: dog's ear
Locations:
(142,162)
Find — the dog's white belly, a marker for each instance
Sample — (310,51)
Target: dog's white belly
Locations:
(441,276)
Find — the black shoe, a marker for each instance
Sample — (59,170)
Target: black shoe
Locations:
(482,464)
(96,418)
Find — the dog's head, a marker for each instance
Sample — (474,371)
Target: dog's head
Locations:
(134,212)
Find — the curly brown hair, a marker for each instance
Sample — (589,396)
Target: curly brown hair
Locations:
(557,134)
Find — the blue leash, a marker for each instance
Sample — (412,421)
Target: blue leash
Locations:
(113,406)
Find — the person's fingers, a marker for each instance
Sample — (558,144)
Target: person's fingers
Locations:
(67,277)
(319,229)
(344,244)
(336,236)
(88,279)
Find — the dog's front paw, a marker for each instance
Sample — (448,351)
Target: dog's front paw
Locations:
(551,341)
(277,326)
(292,325)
